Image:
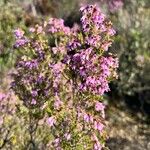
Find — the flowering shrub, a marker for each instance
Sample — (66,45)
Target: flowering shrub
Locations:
(62,77)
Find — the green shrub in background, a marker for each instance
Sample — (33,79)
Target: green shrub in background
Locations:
(133,47)
(59,8)
(11,17)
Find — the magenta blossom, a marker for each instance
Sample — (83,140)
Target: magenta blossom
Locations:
(18,33)
(51,121)
(99,106)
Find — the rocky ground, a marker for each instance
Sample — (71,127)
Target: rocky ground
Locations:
(128,130)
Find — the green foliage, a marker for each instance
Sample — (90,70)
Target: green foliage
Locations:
(132,45)
(11,17)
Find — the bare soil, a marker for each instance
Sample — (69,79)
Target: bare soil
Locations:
(127,130)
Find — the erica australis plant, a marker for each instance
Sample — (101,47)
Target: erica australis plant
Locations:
(62,77)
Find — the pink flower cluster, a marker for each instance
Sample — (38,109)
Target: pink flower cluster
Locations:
(94,71)
(57,26)
(97,145)
(20,39)
(96,28)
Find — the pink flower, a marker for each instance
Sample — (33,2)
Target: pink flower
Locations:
(18,33)
(98,126)
(94,138)
(39,29)
(67,136)
(51,121)
(111,32)
(57,25)
(106,45)
(86,117)
(57,103)
(20,42)
(2,96)
(32,30)
(33,102)
(56,141)
(99,106)
(91,118)
(54,49)
(97,146)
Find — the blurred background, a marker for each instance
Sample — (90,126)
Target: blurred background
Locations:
(128,103)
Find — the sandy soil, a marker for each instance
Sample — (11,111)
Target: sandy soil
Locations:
(127,130)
